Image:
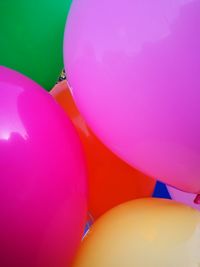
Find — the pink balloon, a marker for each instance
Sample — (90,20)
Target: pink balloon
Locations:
(182,197)
(42,177)
(133,68)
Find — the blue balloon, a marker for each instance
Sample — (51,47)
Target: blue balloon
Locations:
(161,191)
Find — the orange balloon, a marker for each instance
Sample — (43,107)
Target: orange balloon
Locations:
(143,233)
(111,181)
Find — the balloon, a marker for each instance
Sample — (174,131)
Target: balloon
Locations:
(160,191)
(133,69)
(42,177)
(143,233)
(182,197)
(111,181)
(32,37)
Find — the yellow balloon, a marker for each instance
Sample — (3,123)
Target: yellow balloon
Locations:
(143,233)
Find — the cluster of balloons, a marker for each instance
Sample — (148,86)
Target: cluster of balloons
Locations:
(105,170)
(133,70)
(129,111)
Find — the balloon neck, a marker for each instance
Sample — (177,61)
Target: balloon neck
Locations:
(197,199)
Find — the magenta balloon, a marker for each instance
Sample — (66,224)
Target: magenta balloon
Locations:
(182,197)
(133,68)
(42,177)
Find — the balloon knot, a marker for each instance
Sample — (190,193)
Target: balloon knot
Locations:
(197,199)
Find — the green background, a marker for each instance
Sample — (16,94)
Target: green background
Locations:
(31,37)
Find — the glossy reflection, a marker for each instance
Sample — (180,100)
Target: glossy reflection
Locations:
(143,233)
(42,177)
(133,68)
(111,181)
